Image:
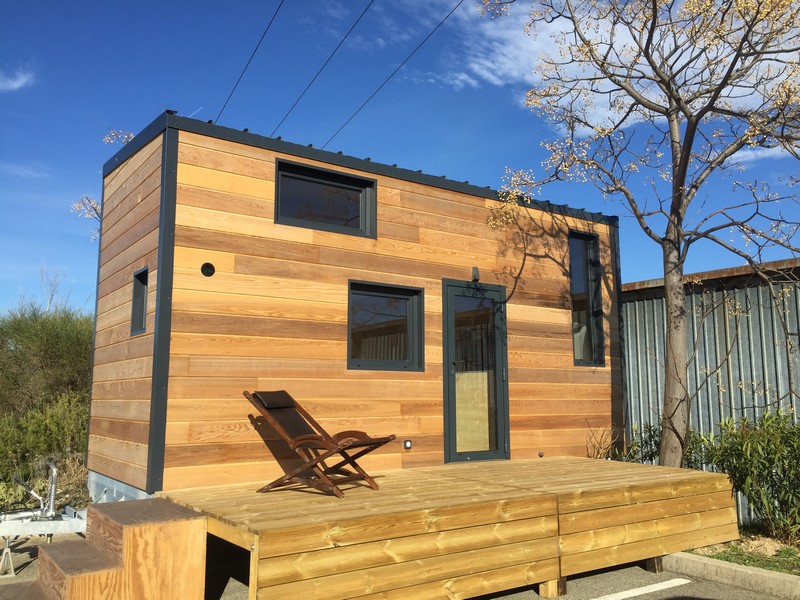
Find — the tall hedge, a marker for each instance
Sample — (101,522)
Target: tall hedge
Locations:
(43,353)
(45,378)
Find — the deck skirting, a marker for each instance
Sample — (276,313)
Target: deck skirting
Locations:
(462,530)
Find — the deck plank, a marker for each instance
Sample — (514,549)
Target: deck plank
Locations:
(465,529)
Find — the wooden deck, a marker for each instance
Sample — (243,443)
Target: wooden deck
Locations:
(462,530)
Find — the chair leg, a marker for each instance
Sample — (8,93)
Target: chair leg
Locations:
(316,464)
(351,462)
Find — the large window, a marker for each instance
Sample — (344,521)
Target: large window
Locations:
(139,302)
(385,327)
(320,199)
(587,306)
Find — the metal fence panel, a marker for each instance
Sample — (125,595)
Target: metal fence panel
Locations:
(744,357)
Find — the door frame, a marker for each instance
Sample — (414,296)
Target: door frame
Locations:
(497,293)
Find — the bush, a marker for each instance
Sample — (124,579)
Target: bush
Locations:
(763,462)
(43,353)
(645,445)
(55,431)
(45,371)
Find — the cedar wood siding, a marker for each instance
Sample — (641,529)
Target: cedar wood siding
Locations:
(274,316)
(123,364)
(167,409)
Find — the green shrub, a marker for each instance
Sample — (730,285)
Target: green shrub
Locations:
(43,353)
(645,445)
(763,462)
(45,369)
(54,431)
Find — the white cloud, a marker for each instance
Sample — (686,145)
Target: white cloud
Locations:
(456,80)
(751,155)
(497,51)
(335,10)
(24,171)
(17,81)
(459,80)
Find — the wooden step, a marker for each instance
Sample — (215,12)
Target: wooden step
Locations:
(23,590)
(138,549)
(77,569)
(107,522)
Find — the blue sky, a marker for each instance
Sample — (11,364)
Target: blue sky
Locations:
(70,72)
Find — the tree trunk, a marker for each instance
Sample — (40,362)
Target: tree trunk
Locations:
(675,425)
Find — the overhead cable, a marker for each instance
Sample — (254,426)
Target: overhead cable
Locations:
(402,64)
(325,64)
(263,35)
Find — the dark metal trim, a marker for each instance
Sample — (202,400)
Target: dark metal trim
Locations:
(416,326)
(163,319)
(596,295)
(139,301)
(96,305)
(368,197)
(501,382)
(622,398)
(169,119)
(144,137)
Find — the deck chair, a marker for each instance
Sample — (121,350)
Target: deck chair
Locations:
(314,446)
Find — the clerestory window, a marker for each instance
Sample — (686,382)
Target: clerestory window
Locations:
(320,199)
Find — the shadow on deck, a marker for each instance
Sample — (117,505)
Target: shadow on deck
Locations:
(463,530)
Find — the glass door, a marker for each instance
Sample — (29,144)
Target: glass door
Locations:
(475,372)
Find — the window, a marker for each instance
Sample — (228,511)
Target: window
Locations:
(385,328)
(320,199)
(587,307)
(139,303)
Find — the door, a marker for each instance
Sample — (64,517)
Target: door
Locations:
(475,372)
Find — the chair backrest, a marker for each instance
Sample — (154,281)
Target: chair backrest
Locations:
(286,413)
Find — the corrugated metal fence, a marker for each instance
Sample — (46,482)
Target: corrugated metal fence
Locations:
(743,346)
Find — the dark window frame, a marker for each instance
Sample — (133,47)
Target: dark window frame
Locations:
(592,275)
(139,302)
(451,290)
(366,187)
(415,326)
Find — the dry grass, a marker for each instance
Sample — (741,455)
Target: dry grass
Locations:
(757,551)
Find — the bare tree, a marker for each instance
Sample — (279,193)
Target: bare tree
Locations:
(654,100)
(87,206)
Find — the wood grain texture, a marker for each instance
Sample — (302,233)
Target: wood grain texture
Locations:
(471,527)
(136,550)
(274,315)
(122,367)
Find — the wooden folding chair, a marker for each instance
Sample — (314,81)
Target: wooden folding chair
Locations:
(314,446)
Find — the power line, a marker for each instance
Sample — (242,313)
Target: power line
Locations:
(321,68)
(402,64)
(263,35)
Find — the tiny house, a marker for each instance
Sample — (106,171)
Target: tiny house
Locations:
(379,297)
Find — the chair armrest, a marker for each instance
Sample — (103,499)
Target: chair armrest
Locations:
(312,440)
(350,435)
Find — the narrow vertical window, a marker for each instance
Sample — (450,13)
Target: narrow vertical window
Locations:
(139,304)
(587,306)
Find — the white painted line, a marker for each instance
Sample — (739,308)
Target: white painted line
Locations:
(648,589)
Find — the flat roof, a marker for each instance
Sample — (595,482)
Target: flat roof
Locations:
(169,119)
(727,273)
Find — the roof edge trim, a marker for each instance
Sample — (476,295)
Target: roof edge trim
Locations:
(168,119)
